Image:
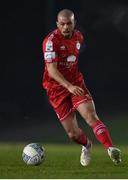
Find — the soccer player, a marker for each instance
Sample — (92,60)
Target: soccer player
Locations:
(66,90)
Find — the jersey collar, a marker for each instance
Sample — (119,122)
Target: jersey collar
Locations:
(58,31)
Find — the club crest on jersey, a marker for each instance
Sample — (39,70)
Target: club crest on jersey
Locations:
(49,46)
(71,58)
(78,45)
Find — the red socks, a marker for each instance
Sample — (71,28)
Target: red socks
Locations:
(102,134)
(82,138)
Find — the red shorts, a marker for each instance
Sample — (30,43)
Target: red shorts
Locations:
(64,102)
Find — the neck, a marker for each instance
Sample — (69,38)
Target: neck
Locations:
(67,37)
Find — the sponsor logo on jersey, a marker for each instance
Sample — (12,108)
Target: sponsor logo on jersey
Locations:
(71,58)
(49,46)
(62,47)
(78,45)
(48,56)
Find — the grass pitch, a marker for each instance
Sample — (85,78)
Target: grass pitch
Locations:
(61,162)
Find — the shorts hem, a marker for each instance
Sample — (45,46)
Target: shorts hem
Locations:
(63,118)
(80,102)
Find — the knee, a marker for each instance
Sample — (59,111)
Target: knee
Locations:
(73,135)
(91,117)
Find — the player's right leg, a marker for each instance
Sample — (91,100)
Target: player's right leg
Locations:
(77,135)
(62,105)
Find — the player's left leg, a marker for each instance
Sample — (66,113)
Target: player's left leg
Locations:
(88,112)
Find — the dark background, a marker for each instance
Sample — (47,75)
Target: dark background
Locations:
(25,113)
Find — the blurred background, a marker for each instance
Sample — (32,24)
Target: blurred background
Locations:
(25,113)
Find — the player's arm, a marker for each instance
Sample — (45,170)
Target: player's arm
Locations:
(57,76)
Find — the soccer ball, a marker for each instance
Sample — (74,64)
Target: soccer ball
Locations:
(33,154)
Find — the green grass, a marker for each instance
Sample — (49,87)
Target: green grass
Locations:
(61,161)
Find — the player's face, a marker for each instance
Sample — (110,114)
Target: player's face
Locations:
(66,25)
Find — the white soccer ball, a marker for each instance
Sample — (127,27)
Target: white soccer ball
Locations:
(33,154)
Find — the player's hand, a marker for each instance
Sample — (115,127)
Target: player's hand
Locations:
(76,90)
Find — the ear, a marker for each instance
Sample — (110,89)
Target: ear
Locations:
(57,23)
(75,22)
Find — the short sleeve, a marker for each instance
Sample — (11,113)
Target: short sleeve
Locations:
(49,50)
(82,40)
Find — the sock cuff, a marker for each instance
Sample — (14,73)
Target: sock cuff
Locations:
(98,122)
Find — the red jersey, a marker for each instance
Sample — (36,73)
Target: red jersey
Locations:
(65,52)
